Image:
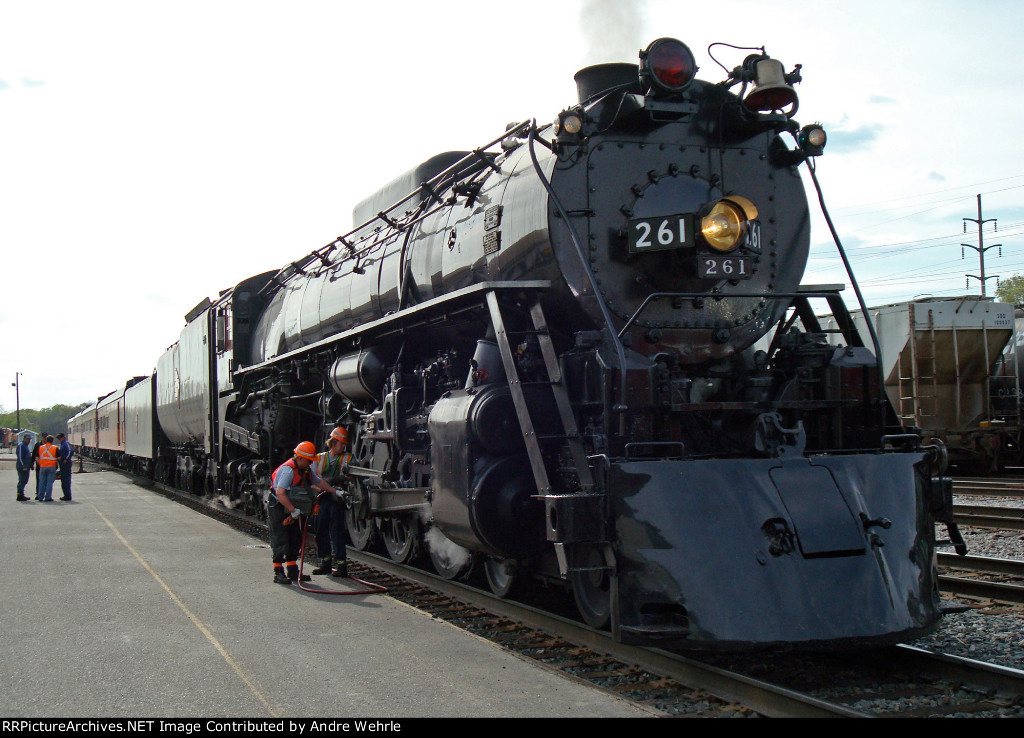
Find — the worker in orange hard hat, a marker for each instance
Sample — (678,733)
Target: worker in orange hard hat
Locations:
(329,520)
(290,498)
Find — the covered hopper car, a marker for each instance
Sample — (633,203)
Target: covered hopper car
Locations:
(938,357)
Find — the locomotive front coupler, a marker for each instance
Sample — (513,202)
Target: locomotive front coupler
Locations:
(939,492)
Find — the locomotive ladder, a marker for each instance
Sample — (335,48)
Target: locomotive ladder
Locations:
(561,395)
(912,405)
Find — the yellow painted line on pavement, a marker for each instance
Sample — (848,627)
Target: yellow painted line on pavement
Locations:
(195,621)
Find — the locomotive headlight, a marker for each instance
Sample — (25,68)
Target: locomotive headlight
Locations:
(722,228)
(726,222)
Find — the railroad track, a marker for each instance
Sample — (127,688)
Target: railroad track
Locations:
(1004,580)
(912,682)
(902,681)
(1010,589)
(989,516)
(989,486)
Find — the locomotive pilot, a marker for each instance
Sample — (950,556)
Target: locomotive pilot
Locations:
(330,509)
(290,497)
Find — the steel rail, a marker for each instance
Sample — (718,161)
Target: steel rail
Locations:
(985,564)
(1004,679)
(999,591)
(989,486)
(989,516)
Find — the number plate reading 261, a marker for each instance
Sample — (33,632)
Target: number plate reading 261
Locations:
(660,234)
(723,267)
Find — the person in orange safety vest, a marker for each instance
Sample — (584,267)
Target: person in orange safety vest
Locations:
(290,498)
(47,463)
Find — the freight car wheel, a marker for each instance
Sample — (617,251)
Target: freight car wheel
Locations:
(591,588)
(502,576)
(401,534)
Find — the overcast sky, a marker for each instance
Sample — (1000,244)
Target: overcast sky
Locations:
(155,153)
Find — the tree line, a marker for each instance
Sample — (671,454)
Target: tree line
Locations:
(1011,290)
(52,420)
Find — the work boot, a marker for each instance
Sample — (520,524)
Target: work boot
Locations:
(293,574)
(280,577)
(340,569)
(326,564)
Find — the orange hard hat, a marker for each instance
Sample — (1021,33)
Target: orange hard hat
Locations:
(340,434)
(306,450)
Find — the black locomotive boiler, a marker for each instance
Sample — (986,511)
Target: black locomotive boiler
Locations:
(582,353)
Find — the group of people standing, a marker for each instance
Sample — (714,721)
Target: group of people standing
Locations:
(291,497)
(51,461)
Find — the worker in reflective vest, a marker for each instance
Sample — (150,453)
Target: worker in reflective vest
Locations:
(329,521)
(47,469)
(290,498)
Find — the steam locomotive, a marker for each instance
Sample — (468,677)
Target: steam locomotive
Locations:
(581,353)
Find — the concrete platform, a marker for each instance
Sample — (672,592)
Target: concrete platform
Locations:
(125,604)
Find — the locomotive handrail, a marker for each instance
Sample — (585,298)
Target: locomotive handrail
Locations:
(619,407)
(823,294)
(430,187)
(875,344)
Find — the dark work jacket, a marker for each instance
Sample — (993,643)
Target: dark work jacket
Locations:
(24,456)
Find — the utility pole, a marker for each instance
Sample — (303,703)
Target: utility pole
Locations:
(17,398)
(981,248)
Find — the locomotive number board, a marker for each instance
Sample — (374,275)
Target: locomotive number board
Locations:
(724,267)
(660,234)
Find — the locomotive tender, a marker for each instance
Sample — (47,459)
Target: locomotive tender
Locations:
(582,353)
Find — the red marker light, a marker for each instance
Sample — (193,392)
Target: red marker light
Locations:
(669,63)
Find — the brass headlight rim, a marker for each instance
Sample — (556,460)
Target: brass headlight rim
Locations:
(736,227)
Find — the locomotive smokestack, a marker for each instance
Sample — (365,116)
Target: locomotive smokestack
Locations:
(592,81)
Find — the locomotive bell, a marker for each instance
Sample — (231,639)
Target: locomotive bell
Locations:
(771,90)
